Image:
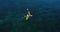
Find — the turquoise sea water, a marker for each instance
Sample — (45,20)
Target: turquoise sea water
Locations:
(46,16)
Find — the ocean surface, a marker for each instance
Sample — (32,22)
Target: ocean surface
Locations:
(46,16)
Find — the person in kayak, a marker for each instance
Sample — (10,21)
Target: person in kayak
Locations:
(28,14)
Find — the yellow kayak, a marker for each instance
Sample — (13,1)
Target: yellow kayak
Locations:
(28,16)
